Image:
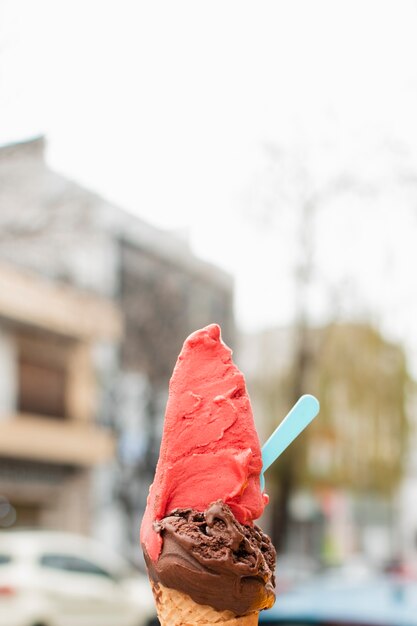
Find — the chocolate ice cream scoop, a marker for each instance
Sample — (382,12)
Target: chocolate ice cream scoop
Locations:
(210,449)
(215,559)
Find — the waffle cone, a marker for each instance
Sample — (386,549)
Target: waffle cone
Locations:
(175,608)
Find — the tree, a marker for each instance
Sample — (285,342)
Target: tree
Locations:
(293,187)
(359,441)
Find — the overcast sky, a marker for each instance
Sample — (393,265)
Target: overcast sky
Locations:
(176,110)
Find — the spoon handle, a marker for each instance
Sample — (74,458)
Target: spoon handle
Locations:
(300,416)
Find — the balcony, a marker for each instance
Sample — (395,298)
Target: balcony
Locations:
(36,438)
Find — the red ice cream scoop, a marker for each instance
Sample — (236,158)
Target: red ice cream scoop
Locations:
(210,448)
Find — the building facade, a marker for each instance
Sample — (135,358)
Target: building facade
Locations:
(68,236)
(49,438)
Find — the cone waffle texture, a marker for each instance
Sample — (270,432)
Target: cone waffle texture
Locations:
(178,609)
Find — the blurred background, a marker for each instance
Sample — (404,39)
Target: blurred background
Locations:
(166,165)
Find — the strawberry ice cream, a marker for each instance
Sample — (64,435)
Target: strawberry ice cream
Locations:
(210,460)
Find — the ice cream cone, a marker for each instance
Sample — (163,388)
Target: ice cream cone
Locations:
(175,608)
(208,562)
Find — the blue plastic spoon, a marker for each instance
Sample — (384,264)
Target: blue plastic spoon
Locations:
(302,413)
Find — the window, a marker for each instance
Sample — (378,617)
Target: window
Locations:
(74,564)
(5,559)
(42,375)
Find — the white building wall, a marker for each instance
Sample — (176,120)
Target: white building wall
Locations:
(408,519)
(407,514)
(407,495)
(8,374)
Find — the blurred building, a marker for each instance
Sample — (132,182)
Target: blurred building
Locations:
(349,464)
(407,500)
(71,238)
(48,438)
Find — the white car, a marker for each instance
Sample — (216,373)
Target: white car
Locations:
(59,579)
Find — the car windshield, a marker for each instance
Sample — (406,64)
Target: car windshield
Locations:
(278,623)
(313,623)
(74,564)
(286,623)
